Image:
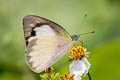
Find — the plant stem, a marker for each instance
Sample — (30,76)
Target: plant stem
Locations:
(89,76)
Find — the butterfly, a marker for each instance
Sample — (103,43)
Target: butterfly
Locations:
(46,42)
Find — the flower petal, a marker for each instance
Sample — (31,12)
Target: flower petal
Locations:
(77,77)
(79,67)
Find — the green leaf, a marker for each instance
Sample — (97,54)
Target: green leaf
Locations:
(105,63)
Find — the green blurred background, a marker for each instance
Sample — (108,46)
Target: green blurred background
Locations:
(104,45)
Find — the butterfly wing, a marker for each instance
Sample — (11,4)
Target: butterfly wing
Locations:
(46,42)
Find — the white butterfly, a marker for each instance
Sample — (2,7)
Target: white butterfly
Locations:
(46,42)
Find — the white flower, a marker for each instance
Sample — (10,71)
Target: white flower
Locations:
(79,68)
(77,77)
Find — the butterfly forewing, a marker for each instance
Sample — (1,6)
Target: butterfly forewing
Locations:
(31,22)
(46,42)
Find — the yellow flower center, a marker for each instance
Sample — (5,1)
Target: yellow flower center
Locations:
(66,77)
(49,70)
(77,52)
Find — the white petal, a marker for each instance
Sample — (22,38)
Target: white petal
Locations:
(77,77)
(79,67)
(85,50)
(88,52)
(87,56)
(87,65)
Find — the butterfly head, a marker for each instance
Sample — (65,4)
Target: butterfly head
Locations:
(75,37)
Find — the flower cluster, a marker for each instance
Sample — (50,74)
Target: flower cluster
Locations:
(49,70)
(66,77)
(77,52)
(50,75)
(79,65)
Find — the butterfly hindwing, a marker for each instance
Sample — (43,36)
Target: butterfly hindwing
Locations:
(46,42)
(43,51)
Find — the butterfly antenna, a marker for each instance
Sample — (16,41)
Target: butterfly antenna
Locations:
(84,18)
(82,24)
(86,33)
